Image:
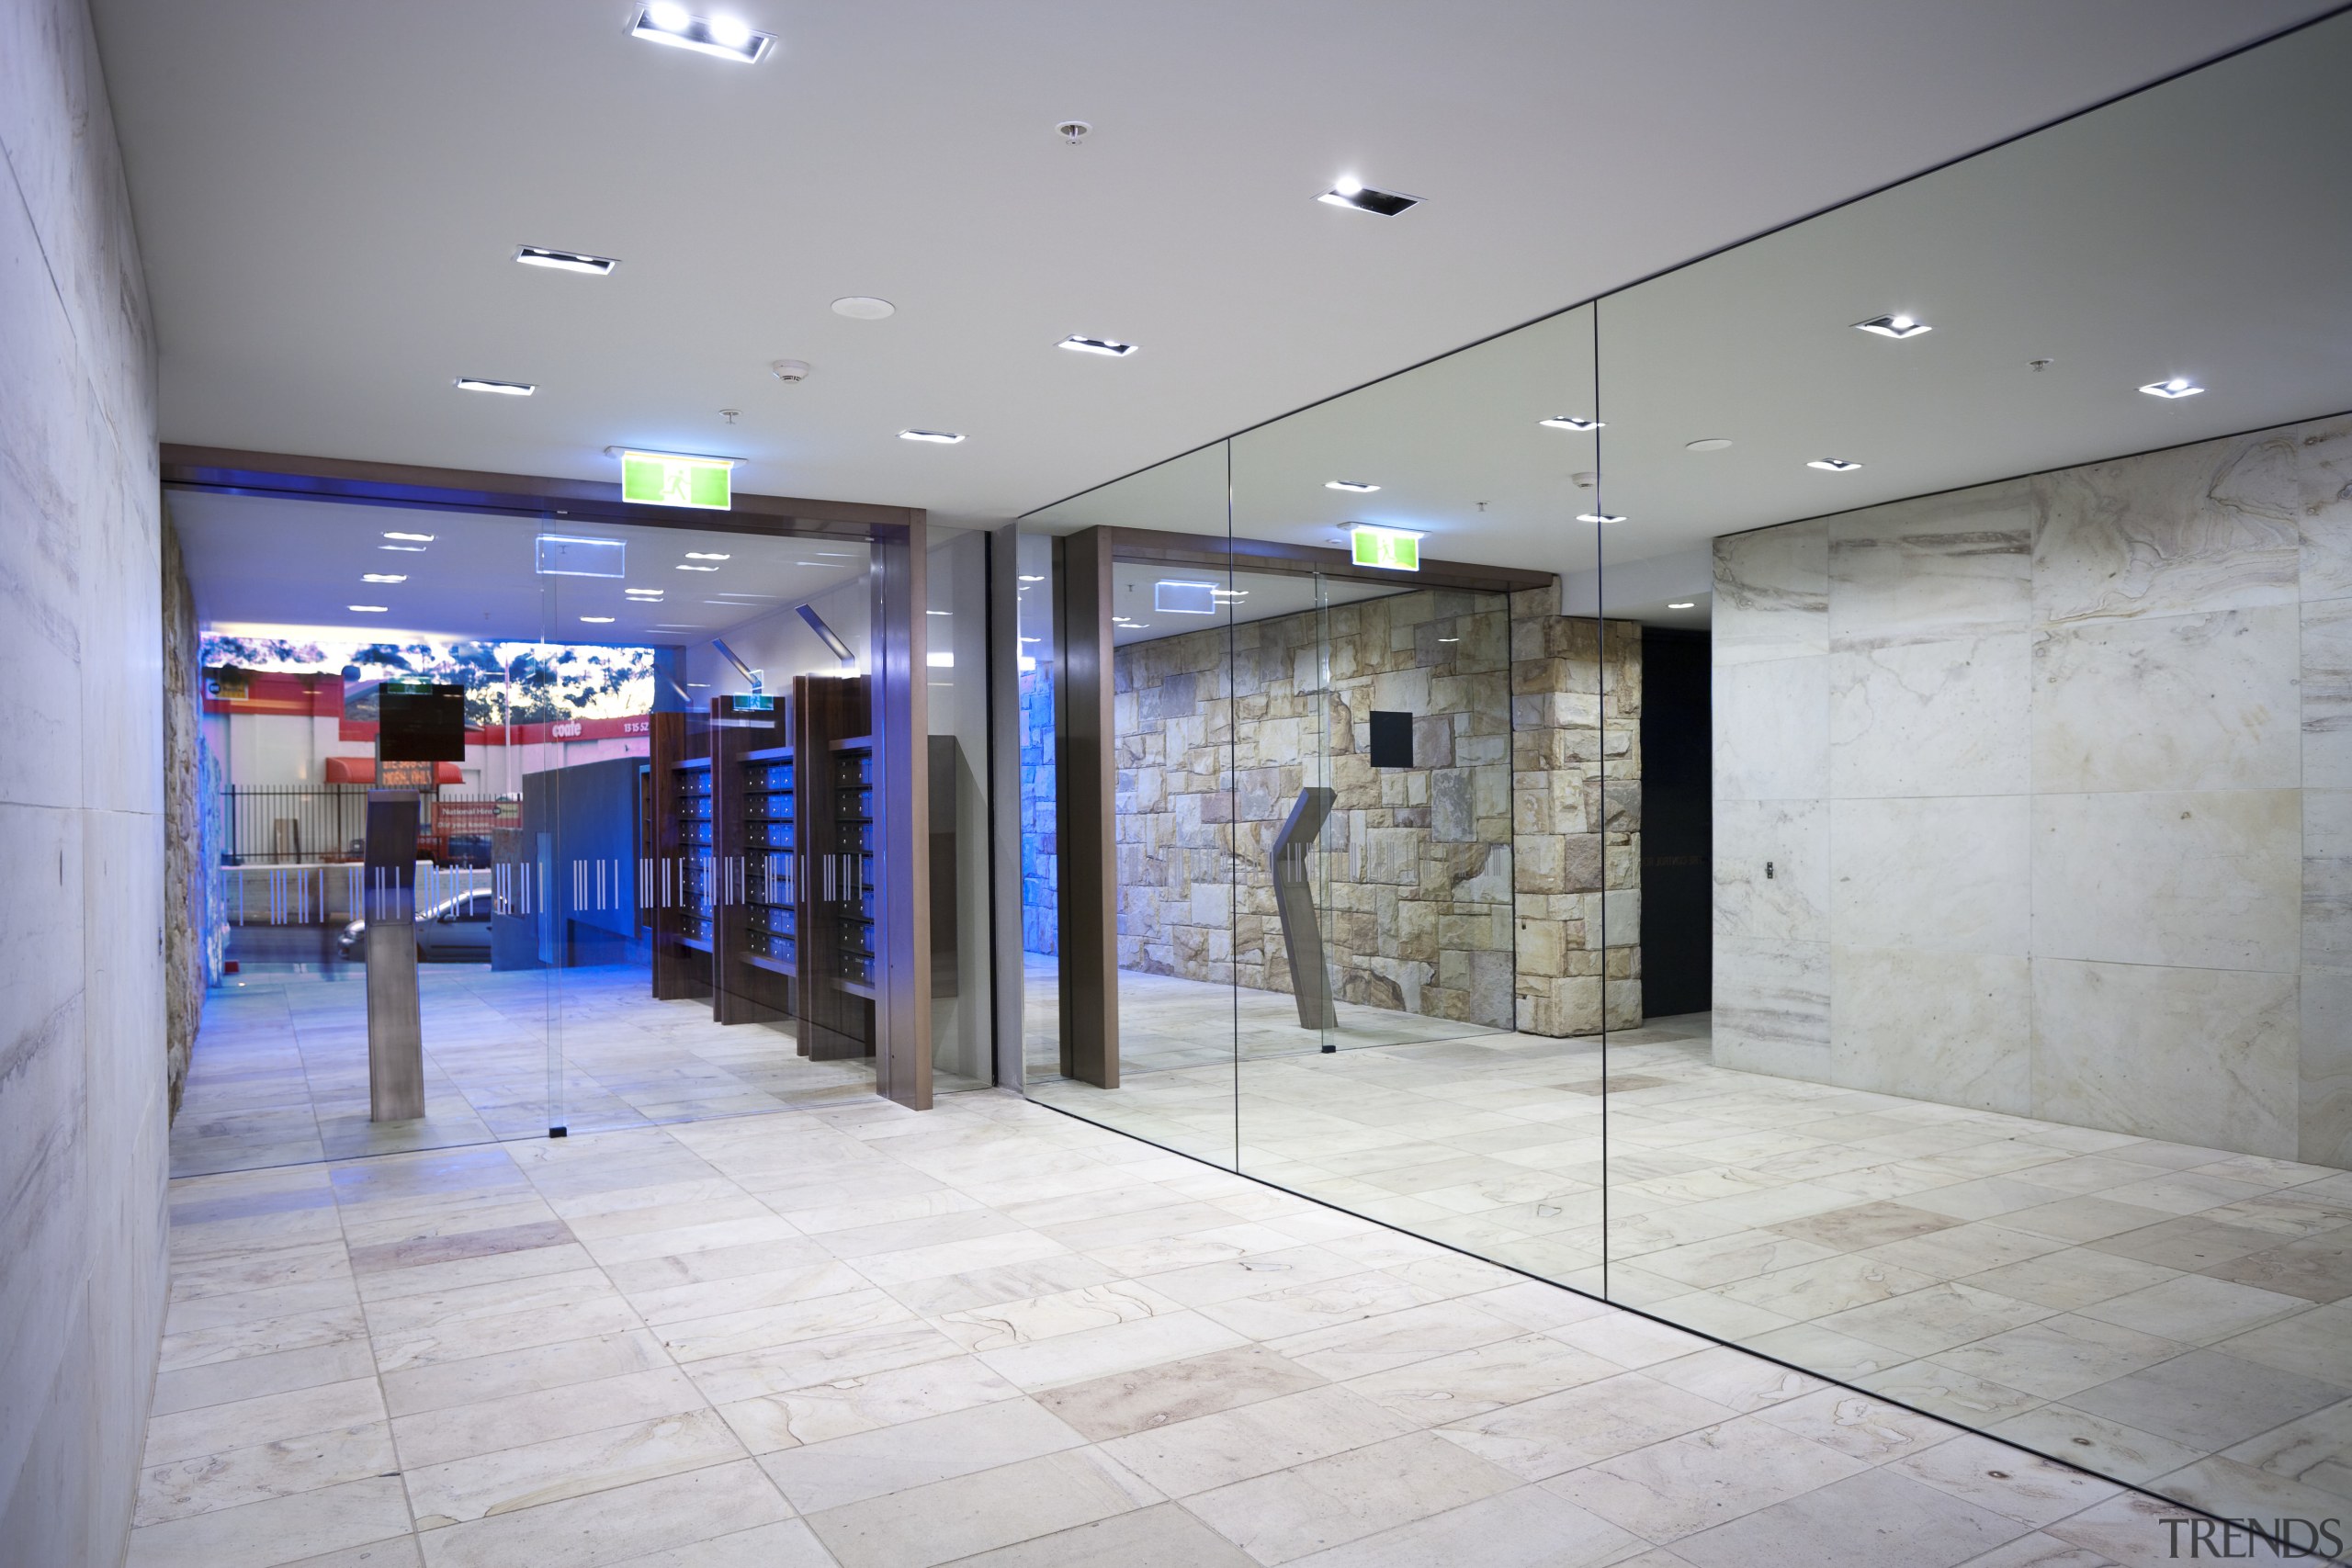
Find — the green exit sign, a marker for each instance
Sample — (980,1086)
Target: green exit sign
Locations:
(1392,547)
(661,479)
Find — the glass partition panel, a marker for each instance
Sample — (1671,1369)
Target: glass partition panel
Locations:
(1419,942)
(1996,1071)
(345,645)
(1143,876)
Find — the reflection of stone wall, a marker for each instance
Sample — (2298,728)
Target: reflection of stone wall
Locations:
(2055,776)
(1038,886)
(1578,839)
(1420,902)
(190,851)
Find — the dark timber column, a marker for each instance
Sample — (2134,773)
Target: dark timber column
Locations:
(1085,779)
(902,761)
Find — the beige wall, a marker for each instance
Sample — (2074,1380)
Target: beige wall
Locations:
(1467,887)
(2055,776)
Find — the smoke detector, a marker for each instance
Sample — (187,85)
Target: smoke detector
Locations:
(1584,480)
(789,370)
(1073,130)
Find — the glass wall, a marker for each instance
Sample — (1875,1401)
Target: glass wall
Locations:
(1875,891)
(643,880)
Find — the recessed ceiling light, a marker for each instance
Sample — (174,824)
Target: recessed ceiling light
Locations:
(597,620)
(864,308)
(937,437)
(383,576)
(1449,639)
(726,37)
(1601,517)
(504,389)
(1706,444)
(565,261)
(1354,193)
(684,568)
(706,554)
(414,538)
(1570,421)
(1833,465)
(643,592)
(1028,578)
(1103,345)
(409,549)
(1895,326)
(1684,604)
(367,609)
(1358,486)
(2178,387)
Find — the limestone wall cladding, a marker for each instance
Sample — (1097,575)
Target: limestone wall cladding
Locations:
(1428,906)
(83,1060)
(2054,776)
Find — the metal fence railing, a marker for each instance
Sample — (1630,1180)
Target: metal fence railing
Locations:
(312,825)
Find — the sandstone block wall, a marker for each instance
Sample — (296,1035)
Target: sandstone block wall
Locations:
(1468,887)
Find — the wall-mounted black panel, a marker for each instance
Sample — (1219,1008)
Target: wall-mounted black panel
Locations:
(1392,739)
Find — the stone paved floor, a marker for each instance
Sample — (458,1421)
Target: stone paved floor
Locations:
(2171,1316)
(986,1334)
(282,1074)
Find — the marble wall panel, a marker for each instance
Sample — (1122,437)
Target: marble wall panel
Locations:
(2202,1056)
(1952,1027)
(83,1060)
(2200,702)
(1791,838)
(2209,881)
(1947,874)
(2216,526)
(2327,878)
(1772,1012)
(2327,694)
(1928,717)
(2122,755)
(2323,1130)
(1936,568)
(1771,723)
(1772,597)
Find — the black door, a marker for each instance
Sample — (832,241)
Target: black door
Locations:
(1678,824)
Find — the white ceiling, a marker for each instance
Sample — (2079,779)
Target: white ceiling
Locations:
(327,198)
(257,561)
(2199,227)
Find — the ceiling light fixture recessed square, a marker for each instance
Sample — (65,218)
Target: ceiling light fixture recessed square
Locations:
(2178,387)
(1570,421)
(1684,604)
(1357,486)
(1893,326)
(728,38)
(1601,517)
(404,550)
(598,620)
(414,538)
(1833,465)
(565,261)
(1354,193)
(1108,347)
(367,609)
(684,567)
(504,389)
(708,555)
(383,576)
(936,437)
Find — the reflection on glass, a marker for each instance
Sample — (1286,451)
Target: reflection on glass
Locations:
(1882,906)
